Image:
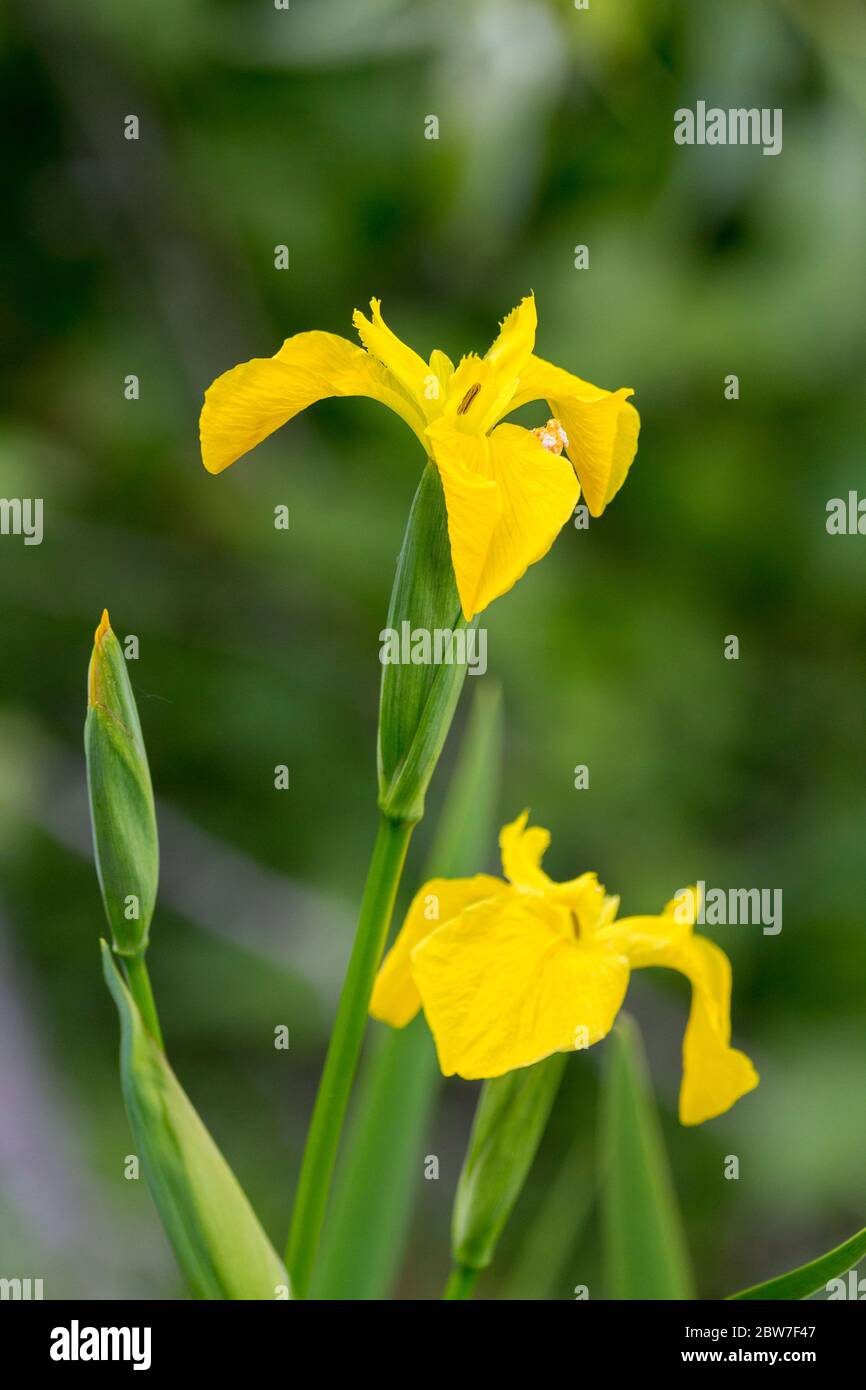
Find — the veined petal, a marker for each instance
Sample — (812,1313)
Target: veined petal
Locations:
(507,499)
(540,380)
(473,505)
(602,444)
(246,404)
(506,984)
(404,364)
(395,995)
(602,426)
(715,1075)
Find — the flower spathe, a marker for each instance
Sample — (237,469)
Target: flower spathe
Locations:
(510,971)
(507,492)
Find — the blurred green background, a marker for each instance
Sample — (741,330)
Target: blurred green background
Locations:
(306,128)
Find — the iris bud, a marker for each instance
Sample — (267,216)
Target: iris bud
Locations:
(509,1124)
(122,812)
(418,697)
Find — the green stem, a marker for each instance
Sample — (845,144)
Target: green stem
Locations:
(462,1282)
(380,891)
(139,986)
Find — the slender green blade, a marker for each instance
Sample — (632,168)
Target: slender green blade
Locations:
(382,1167)
(215,1234)
(383,1161)
(550,1241)
(809,1278)
(644,1246)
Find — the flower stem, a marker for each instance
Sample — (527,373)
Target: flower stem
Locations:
(380,891)
(139,988)
(461,1282)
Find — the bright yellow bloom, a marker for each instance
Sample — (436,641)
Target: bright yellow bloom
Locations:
(510,972)
(508,490)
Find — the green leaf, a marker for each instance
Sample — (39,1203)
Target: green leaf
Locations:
(381,1169)
(808,1279)
(417,701)
(644,1246)
(121,798)
(509,1123)
(550,1241)
(215,1234)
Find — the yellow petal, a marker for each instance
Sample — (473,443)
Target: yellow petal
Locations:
(443,369)
(508,356)
(715,1074)
(404,364)
(395,995)
(602,427)
(471,389)
(592,906)
(523,849)
(507,498)
(540,380)
(246,404)
(480,390)
(512,348)
(474,507)
(506,984)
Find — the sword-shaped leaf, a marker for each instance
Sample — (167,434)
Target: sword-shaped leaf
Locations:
(215,1234)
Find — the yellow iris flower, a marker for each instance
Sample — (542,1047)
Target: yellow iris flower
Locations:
(508,490)
(510,972)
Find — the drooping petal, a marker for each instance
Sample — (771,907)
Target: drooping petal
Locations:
(649,937)
(602,426)
(404,364)
(395,995)
(473,504)
(506,984)
(507,499)
(715,1075)
(246,404)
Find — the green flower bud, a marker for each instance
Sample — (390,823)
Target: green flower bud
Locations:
(509,1124)
(121,797)
(420,689)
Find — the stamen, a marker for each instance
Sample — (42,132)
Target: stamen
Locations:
(468,398)
(552,437)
